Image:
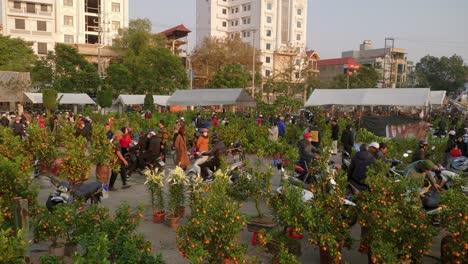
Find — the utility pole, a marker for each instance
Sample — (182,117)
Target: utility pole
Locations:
(253,63)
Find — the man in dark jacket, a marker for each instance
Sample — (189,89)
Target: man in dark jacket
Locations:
(153,151)
(347,139)
(357,172)
(307,153)
(420,153)
(334,136)
(18,127)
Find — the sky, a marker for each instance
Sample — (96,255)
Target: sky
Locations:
(435,27)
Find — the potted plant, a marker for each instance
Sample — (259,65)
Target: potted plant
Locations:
(41,145)
(453,245)
(50,226)
(75,164)
(211,234)
(155,184)
(259,186)
(177,181)
(398,230)
(102,154)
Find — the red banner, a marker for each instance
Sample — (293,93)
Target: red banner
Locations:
(413,130)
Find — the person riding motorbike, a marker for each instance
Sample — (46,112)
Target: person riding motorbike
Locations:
(420,153)
(307,153)
(373,148)
(217,151)
(153,150)
(420,171)
(380,155)
(202,146)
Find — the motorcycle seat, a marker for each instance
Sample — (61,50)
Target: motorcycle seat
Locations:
(298,168)
(87,189)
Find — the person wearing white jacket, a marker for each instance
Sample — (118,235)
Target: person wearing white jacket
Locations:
(273,132)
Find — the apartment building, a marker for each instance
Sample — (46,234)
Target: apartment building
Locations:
(47,22)
(390,62)
(277,28)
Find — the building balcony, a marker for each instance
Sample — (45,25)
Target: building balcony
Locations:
(20,31)
(42,33)
(24,12)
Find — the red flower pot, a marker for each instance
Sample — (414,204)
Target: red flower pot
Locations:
(158,216)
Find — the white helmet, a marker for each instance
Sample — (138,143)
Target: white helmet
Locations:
(375,145)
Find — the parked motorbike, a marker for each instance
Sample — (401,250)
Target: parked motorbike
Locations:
(345,160)
(90,192)
(460,164)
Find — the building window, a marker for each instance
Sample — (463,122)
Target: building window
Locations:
(246,8)
(246,34)
(269,19)
(268,33)
(115,25)
(30,8)
(44,8)
(41,26)
(299,24)
(17,5)
(246,20)
(224,24)
(268,46)
(68,20)
(298,37)
(68,2)
(298,75)
(20,24)
(68,39)
(41,48)
(299,11)
(224,11)
(267,59)
(269,6)
(115,7)
(267,73)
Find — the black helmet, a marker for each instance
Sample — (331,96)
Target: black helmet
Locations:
(423,143)
(363,147)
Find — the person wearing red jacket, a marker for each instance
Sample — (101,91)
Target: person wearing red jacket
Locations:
(214,121)
(125,140)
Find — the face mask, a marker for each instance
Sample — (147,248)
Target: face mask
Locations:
(205,134)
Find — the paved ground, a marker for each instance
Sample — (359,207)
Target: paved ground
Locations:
(163,237)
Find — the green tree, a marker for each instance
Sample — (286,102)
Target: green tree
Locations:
(104,98)
(365,77)
(230,76)
(67,71)
(145,60)
(442,73)
(149,102)
(119,78)
(49,99)
(214,53)
(16,54)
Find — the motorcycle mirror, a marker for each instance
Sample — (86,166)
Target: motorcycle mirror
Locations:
(406,155)
(433,147)
(409,151)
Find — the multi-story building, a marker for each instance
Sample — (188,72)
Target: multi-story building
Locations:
(46,22)
(390,62)
(277,28)
(331,68)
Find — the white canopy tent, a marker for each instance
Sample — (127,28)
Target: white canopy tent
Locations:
(139,99)
(371,97)
(438,97)
(211,97)
(65,98)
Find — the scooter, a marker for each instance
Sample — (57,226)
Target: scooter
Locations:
(345,160)
(460,164)
(233,171)
(308,195)
(90,192)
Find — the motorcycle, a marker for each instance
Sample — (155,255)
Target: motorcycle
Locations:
(345,160)
(309,196)
(68,193)
(460,164)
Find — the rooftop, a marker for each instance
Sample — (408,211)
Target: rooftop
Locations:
(338,61)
